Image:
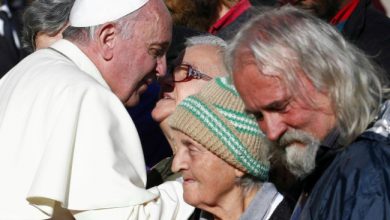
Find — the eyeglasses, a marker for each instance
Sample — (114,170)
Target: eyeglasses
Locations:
(185,72)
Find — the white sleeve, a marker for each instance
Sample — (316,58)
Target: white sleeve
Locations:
(169,205)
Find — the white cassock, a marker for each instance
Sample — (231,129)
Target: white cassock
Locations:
(65,137)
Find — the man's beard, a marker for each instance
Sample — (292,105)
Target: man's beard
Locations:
(297,150)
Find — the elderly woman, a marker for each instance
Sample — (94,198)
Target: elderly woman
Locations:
(199,62)
(223,156)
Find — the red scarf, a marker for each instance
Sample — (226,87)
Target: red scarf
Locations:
(233,13)
(342,16)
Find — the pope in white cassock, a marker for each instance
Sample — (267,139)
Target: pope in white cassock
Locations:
(68,148)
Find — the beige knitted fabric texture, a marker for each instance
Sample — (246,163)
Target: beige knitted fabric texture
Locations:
(216,119)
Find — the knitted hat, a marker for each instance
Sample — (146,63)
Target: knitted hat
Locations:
(216,119)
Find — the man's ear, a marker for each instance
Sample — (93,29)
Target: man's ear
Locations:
(107,39)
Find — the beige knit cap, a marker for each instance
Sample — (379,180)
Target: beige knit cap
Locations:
(216,119)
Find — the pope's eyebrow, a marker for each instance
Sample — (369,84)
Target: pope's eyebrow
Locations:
(164,45)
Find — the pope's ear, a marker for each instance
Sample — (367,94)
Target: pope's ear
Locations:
(107,39)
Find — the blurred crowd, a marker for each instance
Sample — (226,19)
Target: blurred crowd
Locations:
(194,109)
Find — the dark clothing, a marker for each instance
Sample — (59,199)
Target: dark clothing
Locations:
(325,155)
(369,30)
(259,3)
(284,209)
(9,56)
(179,37)
(261,205)
(154,144)
(10,49)
(356,184)
(228,32)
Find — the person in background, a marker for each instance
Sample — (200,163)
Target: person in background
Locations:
(314,95)
(44,21)
(11,51)
(219,17)
(359,22)
(223,156)
(68,148)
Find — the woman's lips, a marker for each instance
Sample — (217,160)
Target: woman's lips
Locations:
(188,180)
(167,96)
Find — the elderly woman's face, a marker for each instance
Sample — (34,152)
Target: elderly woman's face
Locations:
(204,58)
(208,180)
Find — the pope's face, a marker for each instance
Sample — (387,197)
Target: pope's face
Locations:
(142,55)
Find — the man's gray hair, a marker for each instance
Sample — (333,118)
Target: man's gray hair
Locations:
(44,16)
(290,42)
(249,183)
(206,40)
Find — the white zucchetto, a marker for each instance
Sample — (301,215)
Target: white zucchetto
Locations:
(88,13)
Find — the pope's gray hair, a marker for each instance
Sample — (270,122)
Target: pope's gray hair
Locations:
(290,42)
(86,34)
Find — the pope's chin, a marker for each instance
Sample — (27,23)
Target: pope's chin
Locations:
(134,98)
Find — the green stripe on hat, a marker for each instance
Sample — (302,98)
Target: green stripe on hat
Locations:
(243,122)
(224,83)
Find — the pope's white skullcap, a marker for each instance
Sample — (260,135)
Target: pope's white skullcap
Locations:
(87,13)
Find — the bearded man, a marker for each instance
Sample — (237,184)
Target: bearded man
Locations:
(315,95)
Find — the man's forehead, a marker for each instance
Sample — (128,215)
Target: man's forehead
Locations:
(260,89)
(242,57)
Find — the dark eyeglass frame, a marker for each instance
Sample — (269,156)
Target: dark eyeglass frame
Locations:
(192,73)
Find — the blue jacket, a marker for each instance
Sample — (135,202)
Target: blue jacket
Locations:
(356,185)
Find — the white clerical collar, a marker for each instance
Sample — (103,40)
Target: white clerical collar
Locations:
(71,51)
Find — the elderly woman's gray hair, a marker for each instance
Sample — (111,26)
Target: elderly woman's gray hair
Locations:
(206,40)
(45,16)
